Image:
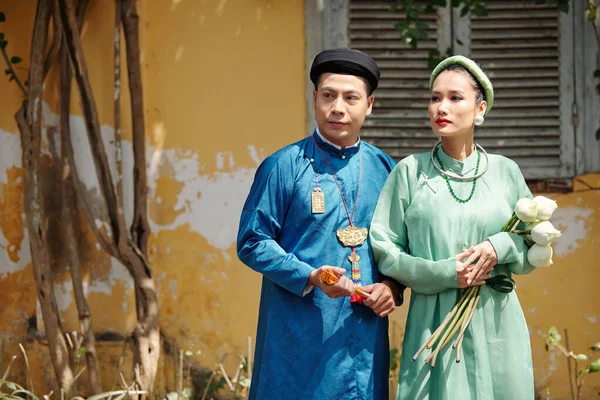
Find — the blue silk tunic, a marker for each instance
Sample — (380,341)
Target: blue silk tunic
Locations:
(309,346)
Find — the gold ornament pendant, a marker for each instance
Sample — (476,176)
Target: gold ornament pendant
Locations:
(318,201)
(351,236)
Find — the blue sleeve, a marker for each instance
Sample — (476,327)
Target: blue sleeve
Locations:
(511,248)
(262,217)
(389,240)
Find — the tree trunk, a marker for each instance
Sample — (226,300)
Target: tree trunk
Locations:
(29,120)
(139,228)
(146,336)
(70,245)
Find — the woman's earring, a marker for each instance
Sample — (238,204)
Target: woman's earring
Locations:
(479,120)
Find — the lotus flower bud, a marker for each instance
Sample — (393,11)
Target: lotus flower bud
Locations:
(544,233)
(526,209)
(540,256)
(546,207)
(581,357)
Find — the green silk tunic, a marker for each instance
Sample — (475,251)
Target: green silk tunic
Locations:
(418,229)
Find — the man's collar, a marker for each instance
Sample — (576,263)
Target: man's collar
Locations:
(329,142)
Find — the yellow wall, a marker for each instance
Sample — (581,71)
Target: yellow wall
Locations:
(224,87)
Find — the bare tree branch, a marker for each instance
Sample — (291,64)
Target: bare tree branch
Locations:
(140,229)
(66,77)
(99,157)
(29,120)
(56,39)
(69,241)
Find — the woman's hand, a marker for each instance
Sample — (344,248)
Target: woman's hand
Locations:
(481,261)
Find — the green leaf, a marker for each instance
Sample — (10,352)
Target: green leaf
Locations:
(481,11)
(12,78)
(596,346)
(15,60)
(2,17)
(584,371)
(429,9)
(422,25)
(464,11)
(3,44)
(553,336)
(7,71)
(189,353)
(595,366)
(459,42)
(455,3)
(563,7)
(501,283)
(597,73)
(1,36)
(414,14)
(11,385)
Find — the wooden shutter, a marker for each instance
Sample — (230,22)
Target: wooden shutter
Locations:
(518,45)
(399,124)
(524,48)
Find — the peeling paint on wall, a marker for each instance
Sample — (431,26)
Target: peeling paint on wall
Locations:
(575,224)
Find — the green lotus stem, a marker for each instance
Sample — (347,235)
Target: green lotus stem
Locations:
(523,232)
(509,223)
(451,331)
(461,335)
(453,313)
(437,332)
(463,328)
(514,224)
(451,327)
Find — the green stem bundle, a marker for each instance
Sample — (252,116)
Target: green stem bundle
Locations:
(460,316)
(455,322)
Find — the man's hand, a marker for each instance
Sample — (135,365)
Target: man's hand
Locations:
(343,287)
(381,299)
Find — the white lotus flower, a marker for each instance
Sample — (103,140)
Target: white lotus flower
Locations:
(544,233)
(546,207)
(540,256)
(526,209)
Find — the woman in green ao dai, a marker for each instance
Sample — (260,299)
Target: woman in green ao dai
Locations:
(436,229)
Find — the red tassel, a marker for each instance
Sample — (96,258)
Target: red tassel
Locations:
(357,298)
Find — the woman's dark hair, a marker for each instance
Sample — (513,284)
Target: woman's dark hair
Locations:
(479,92)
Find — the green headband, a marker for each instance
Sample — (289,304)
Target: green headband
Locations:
(474,69)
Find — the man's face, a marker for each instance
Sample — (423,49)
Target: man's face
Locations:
(341,106)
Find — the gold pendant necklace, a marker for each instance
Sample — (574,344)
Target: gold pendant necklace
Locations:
(351,236)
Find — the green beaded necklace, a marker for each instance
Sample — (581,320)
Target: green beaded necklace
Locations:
(463,201)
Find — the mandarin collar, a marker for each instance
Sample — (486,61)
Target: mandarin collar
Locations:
(335,150)
(461,168)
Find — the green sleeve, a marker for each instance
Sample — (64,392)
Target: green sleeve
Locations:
(389,240)
(511,248)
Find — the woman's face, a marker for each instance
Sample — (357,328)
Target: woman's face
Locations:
(453,105)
